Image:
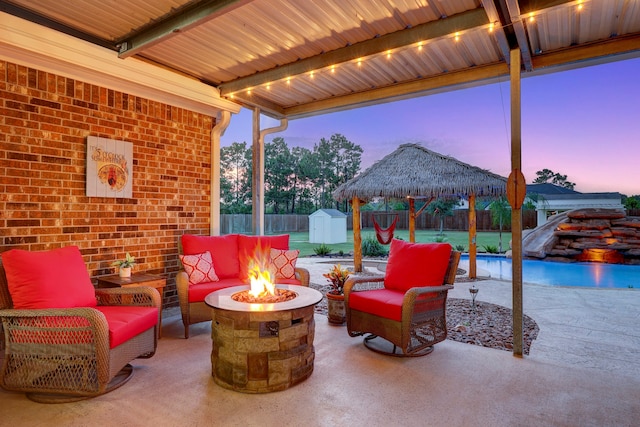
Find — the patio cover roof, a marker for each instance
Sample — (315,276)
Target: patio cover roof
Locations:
(294,58)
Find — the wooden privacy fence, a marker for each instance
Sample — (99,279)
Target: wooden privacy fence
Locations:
(273,224)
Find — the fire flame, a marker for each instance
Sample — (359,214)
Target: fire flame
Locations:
(261,276)
(261,283)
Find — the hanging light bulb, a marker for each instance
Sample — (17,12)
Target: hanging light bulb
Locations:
(457,36)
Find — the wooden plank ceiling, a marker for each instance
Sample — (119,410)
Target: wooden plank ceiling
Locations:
(296,58)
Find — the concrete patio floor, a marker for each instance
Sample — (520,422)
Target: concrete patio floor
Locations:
(583,370)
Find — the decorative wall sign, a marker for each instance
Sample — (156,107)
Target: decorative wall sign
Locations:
(109,168)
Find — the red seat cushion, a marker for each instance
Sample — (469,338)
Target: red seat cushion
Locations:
(385,303)
(223,249)
(125,322)
(57,278)
(416,264)
(252,247)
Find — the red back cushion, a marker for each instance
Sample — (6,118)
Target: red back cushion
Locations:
(223,250)
(48,279)
(251,246)
(416,264)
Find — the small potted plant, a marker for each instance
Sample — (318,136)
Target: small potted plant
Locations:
(124,266)
(337,277)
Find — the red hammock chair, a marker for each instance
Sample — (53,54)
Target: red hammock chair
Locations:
(385,235)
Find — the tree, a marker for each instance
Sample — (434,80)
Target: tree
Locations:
(235,165)
(278,161)
(442,208)
(500,215)
(632,202)
(338,160)
(549,176)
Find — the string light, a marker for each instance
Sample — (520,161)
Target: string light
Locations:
(530,17)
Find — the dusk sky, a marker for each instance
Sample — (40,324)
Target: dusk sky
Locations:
(582,123)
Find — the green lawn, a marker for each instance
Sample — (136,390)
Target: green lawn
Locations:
(300,240)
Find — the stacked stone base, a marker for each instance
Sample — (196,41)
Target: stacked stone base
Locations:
(261,352)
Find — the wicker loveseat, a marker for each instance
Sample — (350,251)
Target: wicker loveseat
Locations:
(404,312)
(63,339)
(210,263)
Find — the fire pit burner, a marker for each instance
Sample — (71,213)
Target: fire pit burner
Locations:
(260,348)
(281,295)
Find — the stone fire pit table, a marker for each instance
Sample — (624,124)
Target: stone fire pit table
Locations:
(260,348)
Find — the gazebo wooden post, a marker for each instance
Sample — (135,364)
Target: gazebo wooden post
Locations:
(472,236)
(412,219)
(357,236)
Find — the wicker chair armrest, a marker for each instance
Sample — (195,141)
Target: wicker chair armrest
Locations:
(303,275)
(50,326)
(411,297)
(182,286)
(144,296)
(428,289)
(357,283)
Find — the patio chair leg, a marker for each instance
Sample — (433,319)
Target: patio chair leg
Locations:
(383,346)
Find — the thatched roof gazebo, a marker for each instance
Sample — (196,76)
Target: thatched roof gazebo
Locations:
(415,172)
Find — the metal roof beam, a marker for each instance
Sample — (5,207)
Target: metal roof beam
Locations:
(424,32)
(521,33)
(491,8)
(181,21)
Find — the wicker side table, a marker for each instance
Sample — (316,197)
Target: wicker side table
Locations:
(157,282)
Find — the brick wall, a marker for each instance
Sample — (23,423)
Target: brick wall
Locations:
(44,123)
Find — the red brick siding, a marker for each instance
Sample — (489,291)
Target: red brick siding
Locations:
(44,123)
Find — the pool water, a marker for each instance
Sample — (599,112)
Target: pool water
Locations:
(584,274)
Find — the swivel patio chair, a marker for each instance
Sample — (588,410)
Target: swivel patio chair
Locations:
(64,340)
(403,313)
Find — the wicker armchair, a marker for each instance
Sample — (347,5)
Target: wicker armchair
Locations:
(399,322)
(58,355)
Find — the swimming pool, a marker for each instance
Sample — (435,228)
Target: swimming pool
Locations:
(584,274)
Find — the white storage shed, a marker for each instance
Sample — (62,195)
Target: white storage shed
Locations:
(327,226)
